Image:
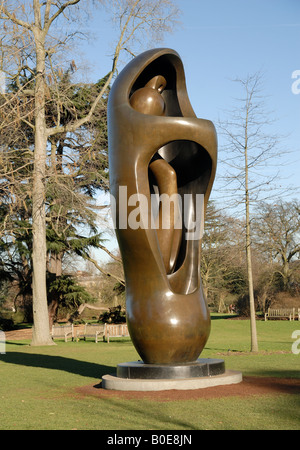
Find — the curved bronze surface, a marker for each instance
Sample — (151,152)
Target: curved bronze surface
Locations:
(157,143)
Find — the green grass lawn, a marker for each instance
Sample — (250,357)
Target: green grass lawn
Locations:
(38,385)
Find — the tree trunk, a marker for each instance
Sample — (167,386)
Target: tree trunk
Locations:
(52,309)
(41,330)
(285,272)
(221,307)
(254,344)
(55,268)
(82,307)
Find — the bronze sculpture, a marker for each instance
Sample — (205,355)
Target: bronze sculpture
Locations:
(156,143)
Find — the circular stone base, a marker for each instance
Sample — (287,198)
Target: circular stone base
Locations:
(127,384)
(138,376)
(202,367)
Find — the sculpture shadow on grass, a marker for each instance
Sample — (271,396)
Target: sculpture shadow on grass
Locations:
(70,365)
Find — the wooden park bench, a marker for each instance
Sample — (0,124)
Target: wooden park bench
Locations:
(280,313)
(116,330)
(62,331)
(92,330)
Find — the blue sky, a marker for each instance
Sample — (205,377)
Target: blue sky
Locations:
(220,40)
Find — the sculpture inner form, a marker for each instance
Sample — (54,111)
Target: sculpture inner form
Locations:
(158,146)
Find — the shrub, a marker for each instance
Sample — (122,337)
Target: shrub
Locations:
(113,315)
(6,324)
(243,306)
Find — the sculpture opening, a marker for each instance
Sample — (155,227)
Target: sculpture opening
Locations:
(181,171)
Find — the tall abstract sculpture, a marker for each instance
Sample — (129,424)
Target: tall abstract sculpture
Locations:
(157,145)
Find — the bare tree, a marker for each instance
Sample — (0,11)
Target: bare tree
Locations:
(31,44)
(249,147)
(276,230)
(222,265)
